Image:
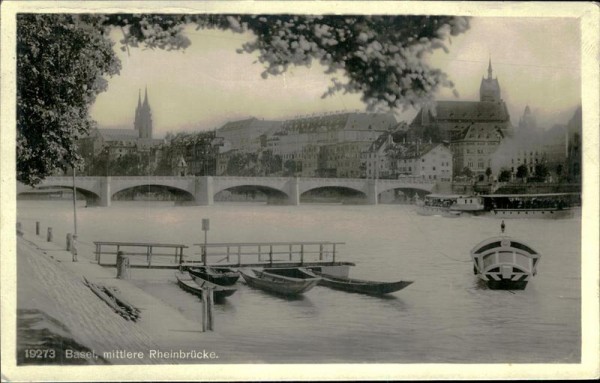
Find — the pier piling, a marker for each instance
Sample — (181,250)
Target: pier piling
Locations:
(207,309)
(49,236)
(69,238)
(74,247)
(37,228)
(122,266)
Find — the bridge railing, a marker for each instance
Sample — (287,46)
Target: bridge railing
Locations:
(269,253)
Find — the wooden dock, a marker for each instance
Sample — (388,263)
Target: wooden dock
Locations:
(247,254)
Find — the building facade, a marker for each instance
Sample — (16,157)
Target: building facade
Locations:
(473,128)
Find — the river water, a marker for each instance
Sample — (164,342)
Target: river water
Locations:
(445,316)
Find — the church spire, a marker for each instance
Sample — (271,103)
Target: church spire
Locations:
(490,69)
(146,97)
(143,116)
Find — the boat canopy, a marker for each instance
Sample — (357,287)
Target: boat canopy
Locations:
(504,242)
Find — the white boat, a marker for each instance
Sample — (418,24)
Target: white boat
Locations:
(449,205)
(547,206)
(504,263)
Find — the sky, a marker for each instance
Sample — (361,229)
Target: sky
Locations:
(536,60)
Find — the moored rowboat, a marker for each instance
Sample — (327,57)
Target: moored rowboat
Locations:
(195,285)
(362,286)
(275,281)
(223,276)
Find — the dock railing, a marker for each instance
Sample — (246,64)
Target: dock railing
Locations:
(267,253)
(147,250)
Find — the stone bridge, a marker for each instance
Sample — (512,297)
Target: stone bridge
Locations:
(202,190)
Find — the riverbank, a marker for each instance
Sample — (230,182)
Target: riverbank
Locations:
(63,319)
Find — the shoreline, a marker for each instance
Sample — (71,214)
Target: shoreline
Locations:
(61,321)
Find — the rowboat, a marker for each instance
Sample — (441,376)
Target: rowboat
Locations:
(361,286)
(504,263)
(223,276)
(195,286)
(283,281)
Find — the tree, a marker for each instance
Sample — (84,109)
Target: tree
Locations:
(488,173)
(559,171)
(522,171)
(63,59)
(505,175)
(540,172)
(290,168)
(467,172)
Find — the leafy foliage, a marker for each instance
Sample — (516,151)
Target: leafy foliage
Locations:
(60,67)
(522,171)
(505,175)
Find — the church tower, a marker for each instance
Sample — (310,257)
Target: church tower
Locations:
(490,88)
(143,117)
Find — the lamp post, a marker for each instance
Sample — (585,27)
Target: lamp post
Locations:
(74,240)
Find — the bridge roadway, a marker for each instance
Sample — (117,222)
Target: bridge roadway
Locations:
(202,190)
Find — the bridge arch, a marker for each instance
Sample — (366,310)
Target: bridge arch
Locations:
(91,197)
(272,195)
(333,193)
(177,193)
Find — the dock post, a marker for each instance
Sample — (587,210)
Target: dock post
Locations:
(227,254)
(239,255)
(320,252)
(122,266)
(207,309)
(334,253)
(74,247)
(49,236)
(259,254)
(69,236)
(290,252)
(271,255)
(37,228)
(19,229)
(301,254)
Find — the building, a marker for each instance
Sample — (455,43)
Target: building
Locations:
(473,128)
(377,159)
(474,147)
(118,142)
(245,135)
(430,161)
(531,146)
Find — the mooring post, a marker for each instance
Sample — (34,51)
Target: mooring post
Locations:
(334,253)
(37,228)
(74,247)
(207,309)
(69,237)
(49,236)
(301,254)
(204,310)
(271,255)
(122,266)
(211,303)
(320,252)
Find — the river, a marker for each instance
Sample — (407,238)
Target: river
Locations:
(445,316)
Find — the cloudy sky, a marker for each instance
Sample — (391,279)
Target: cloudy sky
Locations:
(536,60)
